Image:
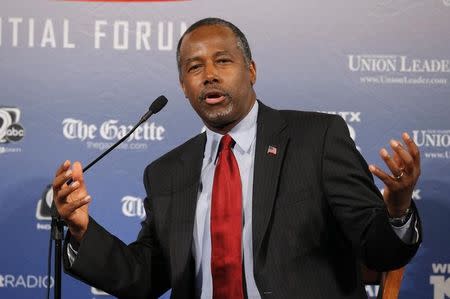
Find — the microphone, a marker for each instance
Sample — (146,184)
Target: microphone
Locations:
(155,107)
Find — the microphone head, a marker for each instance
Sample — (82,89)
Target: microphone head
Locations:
(158,104)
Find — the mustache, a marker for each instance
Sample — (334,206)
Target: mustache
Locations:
(213,89)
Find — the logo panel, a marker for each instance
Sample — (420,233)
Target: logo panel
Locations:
(11,131)
(434,144)
(101,137)
(26,281)
(133,206)
(43,209)
(120,35)
(440,280)
(399,69)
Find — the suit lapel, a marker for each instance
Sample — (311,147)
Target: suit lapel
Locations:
(186,180)
(271,143)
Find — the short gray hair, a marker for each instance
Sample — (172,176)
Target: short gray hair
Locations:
(242,42)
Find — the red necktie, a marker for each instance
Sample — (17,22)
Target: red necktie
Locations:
(226,225)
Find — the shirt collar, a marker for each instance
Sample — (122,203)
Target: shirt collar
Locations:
(244,134)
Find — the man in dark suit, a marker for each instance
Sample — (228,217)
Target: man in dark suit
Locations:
(309,208)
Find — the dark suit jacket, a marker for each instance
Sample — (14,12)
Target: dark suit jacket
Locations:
(316,214)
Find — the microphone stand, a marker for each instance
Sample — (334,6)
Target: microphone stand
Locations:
(57,224)
(57,233)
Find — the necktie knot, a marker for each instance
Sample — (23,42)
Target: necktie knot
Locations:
(226,142)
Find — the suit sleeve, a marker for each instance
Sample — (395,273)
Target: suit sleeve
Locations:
(137,270)
(357,203)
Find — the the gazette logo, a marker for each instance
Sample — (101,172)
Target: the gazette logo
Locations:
(351,118)
(102,136)
(28,281)
(399,69)
(440,280)
(434,144)
(133,207)
(11,131)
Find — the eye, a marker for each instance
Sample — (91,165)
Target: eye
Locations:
(223,60)
(194,67)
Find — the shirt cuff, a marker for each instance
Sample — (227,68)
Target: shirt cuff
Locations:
(409,232)
(71,254)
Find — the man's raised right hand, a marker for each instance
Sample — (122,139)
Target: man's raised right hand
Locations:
(72,201)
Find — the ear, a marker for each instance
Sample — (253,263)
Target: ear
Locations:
(252,69)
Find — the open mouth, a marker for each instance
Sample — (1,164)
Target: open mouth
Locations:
(214,97)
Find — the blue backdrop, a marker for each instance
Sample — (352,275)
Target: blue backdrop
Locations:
(75,75)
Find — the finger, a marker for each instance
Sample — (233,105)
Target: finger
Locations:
(393,167)
(62,168)
(63,193)
(79,203)
(398,160)
(412,148)
(74,205)
(407,161)
(383,176)
(59,180)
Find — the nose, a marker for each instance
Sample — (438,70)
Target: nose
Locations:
(211,74)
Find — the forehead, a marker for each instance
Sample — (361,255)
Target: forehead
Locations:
(206,39)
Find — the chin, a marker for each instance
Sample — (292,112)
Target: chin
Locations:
(219,118)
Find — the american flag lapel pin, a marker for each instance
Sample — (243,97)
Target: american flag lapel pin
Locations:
(272,150)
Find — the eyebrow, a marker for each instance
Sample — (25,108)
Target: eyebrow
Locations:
(221,53)
(189,60)
(195,58)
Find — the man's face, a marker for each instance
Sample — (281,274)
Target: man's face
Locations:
(216,78)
